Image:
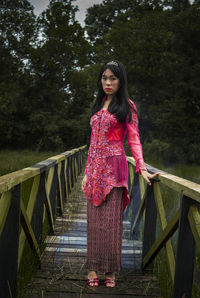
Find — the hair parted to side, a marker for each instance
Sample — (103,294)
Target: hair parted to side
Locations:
(119,105)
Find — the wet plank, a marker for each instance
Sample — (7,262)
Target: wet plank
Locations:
(63,272)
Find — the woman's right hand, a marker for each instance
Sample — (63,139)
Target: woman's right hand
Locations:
(83,182)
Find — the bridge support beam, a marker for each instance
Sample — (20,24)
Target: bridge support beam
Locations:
(9,243)
(150,222)
(185,254)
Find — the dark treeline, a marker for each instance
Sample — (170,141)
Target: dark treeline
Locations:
(49,66)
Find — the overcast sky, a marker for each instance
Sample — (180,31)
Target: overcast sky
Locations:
(40,5)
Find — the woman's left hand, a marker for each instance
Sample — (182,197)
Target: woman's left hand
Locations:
(146,175)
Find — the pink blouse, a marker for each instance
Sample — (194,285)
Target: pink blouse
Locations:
(107,165)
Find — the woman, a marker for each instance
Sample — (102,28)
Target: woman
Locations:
(105,183)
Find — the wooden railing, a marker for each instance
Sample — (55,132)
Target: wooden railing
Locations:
(185,218)
(29,198)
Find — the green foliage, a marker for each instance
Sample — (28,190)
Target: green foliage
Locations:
(49,70)
(159,48)
(12,160)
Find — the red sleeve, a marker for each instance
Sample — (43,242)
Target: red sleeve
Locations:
(134,140)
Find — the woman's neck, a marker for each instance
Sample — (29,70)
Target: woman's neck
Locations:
(109,98)
(107,102)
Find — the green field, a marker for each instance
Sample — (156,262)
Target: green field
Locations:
(11,161)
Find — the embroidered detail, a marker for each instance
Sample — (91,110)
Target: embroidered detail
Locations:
(101,175)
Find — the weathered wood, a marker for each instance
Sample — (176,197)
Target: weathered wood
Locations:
(167,232)
(31,202)
(34,192)
(131,177)
(9,242)
(140,212)
(184,186)
(37,220)
(49,210)
(194,220)
(185,254)
(66,179)
(8,181)
(135,205)
(150,222)
(5,202)
(188,188)
(29,231)
(163,223)
(63,268)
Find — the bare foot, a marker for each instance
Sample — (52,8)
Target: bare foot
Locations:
(110,280)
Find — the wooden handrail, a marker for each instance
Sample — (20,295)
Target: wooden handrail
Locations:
(30,198)
(186,219)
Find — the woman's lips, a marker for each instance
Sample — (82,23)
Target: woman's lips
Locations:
(108,89)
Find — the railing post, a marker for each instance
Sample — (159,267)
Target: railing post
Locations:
(185,254)
(9,243)
(37,217)
(53,192)
(150,221)
(136,200)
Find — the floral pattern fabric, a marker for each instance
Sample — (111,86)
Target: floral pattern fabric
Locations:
(106,164)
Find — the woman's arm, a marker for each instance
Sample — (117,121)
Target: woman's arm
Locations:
(136,147)
(133,139)
(87,163)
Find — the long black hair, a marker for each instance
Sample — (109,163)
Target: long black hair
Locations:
(119,106)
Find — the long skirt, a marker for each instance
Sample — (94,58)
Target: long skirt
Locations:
(104,233)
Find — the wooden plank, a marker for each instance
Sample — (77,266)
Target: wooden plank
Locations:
(29,212)
(163,222)
(134,287)
(47,199)
(8,181)
(84,250)
(66,184)
(83,295)
(131,175)
(150,222)
(140,211)
(142,187)
(194,220)
(5,202)
(29,231)
(60,194)
(162,239)
(185,254)
(65,257)
(9,242)
(188,188)
(58,158)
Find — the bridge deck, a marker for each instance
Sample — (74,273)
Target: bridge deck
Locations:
(63,273)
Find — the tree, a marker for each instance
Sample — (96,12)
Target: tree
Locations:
(17,34)
(62,50)
(159,48)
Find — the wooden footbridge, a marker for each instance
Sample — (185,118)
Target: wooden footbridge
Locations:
(43,234)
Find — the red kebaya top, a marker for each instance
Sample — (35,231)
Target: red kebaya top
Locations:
(106,163)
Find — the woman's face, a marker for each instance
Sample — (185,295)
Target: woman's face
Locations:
(110,82)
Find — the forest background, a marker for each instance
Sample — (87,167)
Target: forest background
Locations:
(49,66)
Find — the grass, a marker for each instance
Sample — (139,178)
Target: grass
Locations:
(11,160)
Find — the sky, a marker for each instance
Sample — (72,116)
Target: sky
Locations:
(40,5)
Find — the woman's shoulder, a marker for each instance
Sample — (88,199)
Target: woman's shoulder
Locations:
(132,105)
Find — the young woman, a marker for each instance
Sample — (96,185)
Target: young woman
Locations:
(105,183)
